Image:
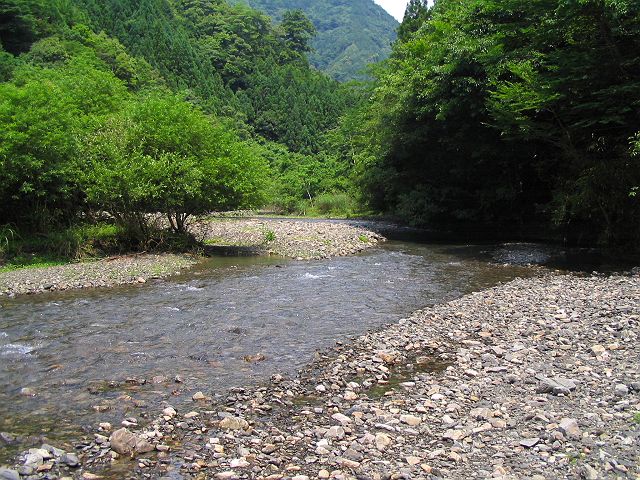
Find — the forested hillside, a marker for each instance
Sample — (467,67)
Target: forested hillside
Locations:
(351,33)
(515,119)
(177,107)
(510,118)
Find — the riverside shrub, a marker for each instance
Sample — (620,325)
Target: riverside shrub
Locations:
(161,154)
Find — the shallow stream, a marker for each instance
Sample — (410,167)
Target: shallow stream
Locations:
(91,356)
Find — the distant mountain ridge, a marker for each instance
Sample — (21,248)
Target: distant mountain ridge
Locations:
(351,33)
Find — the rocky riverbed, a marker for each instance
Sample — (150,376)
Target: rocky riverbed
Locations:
(302,240)
(536,379)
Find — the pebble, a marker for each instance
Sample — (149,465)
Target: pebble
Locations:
(410,420)
(621,390)
(569,427)
(28,392)
(70,459)
(199,396)
(233,423)
(530,442)
(125,442)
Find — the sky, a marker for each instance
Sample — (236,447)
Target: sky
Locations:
(394,7)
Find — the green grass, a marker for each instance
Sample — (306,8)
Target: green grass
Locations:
(326,205)
(363,238)
(269,236)
(636,418)
(36,261)
(56,247)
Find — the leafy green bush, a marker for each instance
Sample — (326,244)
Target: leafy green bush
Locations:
(41,113)
(160,154)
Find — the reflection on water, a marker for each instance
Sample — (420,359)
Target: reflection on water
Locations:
(93,356)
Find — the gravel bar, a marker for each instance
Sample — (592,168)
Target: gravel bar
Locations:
(302,240)
(129,269)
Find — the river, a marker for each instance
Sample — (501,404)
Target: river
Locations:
(91,356)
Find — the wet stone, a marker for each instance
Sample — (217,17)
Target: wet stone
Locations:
(7,474)
(70,459)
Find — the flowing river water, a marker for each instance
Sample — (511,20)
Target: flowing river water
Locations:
(102,355)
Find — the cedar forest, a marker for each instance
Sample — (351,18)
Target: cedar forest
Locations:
(512,116)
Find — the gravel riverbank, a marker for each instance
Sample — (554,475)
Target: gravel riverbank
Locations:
(128,269)
(302,240)
(294,239)
(534,379)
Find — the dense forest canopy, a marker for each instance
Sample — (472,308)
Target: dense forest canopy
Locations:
(510,116)
(351,33)
(516,119)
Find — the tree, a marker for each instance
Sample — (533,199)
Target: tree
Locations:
(297,32)
(416,14)
(41,112)
(511,114)
(161,154)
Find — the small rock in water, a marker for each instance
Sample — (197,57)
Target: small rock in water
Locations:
(70,459)
(234,423)
(199,396)
(258,357)
(34,458)
(28,392)
(105,426)
(126,443)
